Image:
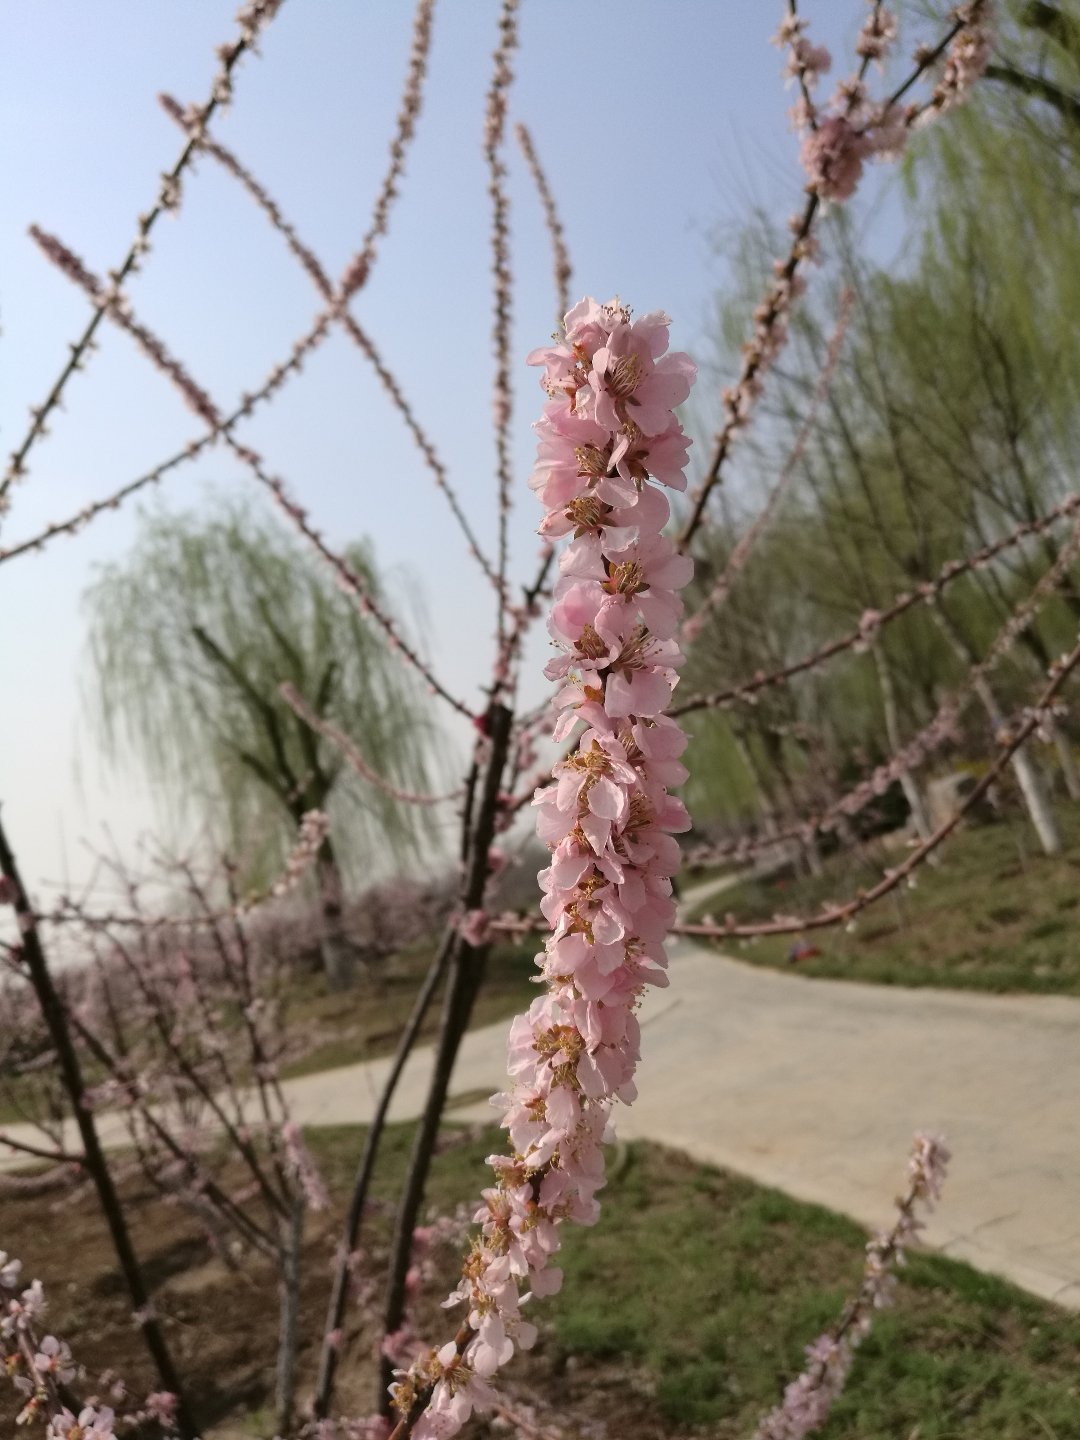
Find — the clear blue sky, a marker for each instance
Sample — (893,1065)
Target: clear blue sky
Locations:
(661,122)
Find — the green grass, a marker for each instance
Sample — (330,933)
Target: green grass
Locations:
(366,1022)
(993,914)
(697,1291)
(684,1311)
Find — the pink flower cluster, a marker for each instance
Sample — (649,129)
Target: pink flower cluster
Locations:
(967,56)
(608,819)
(89,1424)
(852,128)
(805,61)
(39,1369)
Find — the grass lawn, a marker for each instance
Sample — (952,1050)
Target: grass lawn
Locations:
(993,914)
(684,1311)
(366,1022)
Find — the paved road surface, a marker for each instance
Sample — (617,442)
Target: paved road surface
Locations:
(817,1086)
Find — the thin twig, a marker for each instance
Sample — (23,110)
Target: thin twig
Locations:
(563,271)
(252,19)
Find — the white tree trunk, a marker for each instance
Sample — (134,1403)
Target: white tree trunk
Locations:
(1036,800)
(912,794)
(1066,759)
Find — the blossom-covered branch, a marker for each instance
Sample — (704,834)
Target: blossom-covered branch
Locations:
(502,397)
(743,549)
(195,121)
(41,1368)
(1010,737)
(312,831)
(563,271)
(607,431)
(809,1398)
(336,297)
(354,584)
(873,621)
(837,142)
(938,731)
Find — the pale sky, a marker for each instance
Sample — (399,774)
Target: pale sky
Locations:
(660,122)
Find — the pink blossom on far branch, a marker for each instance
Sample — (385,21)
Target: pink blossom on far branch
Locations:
(809,1398)
(609,442)
(851,127)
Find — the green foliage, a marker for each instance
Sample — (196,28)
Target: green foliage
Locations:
(990,916)
(192,635)
(953,416)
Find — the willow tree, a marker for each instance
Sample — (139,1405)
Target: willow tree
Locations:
(191,638)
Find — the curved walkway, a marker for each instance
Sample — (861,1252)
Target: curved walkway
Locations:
(816,1087)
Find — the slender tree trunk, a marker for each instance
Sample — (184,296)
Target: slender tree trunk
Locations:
(808,846)
(764,800)
(1066,759)
(292,1237)
(335,948)
(55,1017)
(339,1294)
(1036,801)
(912,794)
(1042,658)
(467,964)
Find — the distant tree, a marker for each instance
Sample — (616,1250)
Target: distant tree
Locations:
(954,416)
(191,637)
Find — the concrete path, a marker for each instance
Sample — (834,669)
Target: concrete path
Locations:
(816,1087)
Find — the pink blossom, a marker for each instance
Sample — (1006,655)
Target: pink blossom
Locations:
(458,1392)
(967,57)
(91,1424)
(833,155)
(877,34)
(54,1358)
(161,1406)
(475,927)
(808,60)
(608,439)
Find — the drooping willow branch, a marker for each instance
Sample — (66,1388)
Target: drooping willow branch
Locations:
(873,621)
